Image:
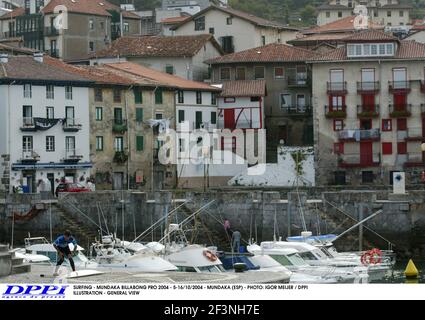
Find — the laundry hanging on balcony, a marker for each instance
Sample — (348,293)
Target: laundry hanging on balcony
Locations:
(44,124)
(163,125)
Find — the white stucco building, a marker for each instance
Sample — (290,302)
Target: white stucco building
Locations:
(44,123)
(235,30)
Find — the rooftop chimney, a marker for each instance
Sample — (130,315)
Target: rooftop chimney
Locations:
(38,57)
(4,58)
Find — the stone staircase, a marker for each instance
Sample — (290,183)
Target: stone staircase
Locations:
(10,264)
(83,233)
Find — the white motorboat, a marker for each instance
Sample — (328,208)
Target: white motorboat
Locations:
(291,259)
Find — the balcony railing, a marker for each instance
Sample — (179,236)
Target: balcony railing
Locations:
(72,155)
(368,111)
(336,112)
(119,126)
(71,125)
(9,34)
(399,86)
(120,157)
(298,80)
(297,110)
(414,134)
(29,156)
(368,87)
(337,88)
(51,31)
(28,124)
(415,160)
(400,111)
(359,135)
(356,160)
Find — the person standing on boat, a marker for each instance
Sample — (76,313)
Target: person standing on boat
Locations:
(236,241)
(61,245)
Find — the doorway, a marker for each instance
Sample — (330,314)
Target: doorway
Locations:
(118,181)
(51,178)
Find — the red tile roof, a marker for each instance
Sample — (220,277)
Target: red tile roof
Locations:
(341,25)
(407,50)
(173,20)
(371,35)
(163,79)
(94,7)
(275,52)
(157,46)
(244,88)
(242,15)
(15,13)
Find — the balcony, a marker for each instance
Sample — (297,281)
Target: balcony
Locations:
(120,157)
(72,156)
(400,111)
(71,125)
(298,111)
(51,31)
(299,81)
(414,134)
(336,88)
(415,160)
(28,124)
(356,160)
(358,135)
(119,126)
(368,87)
(399,86)
(29,156)
(365,112)
(332,112)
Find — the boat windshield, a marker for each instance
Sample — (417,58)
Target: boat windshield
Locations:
(296,260)
(186,269)
(325,251)
(307,256)
(207,269)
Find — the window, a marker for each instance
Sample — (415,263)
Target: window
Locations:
(401,124)
(91,46)
(126,27)
(50,144)
(138,96)
(158,96)
(158,116)
(213,117)
(285,100)
(169,69)
(198,119)
(140,143)
(198,97)
(99,113)
(50,92)
(340,178)
(118,119)
(240,73)
(50,112)
(27,91)
(339,148)
(98,94)
(180,96)
(181,145)
(387,125)
(102,25)
(139,115)
(387,148)
(401,13)
(402,148)
(367,177)
(27,115)
(227,44)
(368,49)
(337,78)
(225,74)
(200,24)
(91,24)
(99,143)
(338,125)
(263,40)
(255,99)
(117,95)
(229,100)
(388,13)
(279,73)
(27,143)
(328,14)
(68,93)
(365,124)
(214,98)
(181,116)
(337,103)
(229,20)
(259,73)
(70,144)
(339,14)
(211,31)
(119,144)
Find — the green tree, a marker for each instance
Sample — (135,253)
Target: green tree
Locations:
(308,13)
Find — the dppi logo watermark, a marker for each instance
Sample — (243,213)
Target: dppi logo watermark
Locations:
(60,22)
(35,292)
(361,21)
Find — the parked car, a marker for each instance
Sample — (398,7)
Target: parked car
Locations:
(70,187)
